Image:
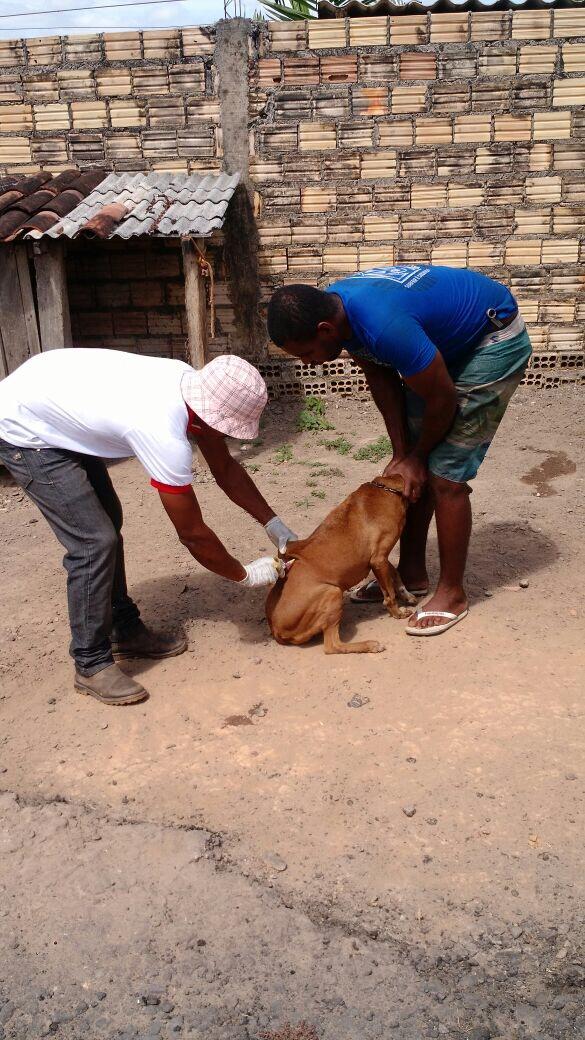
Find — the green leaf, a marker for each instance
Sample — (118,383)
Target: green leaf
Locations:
(374,452)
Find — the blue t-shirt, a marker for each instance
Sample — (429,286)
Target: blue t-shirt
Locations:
(400,316)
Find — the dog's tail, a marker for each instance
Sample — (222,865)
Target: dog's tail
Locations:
(294,550)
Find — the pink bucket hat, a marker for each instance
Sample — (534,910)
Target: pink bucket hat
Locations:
(229,394)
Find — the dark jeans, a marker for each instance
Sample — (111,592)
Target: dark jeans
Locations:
(76,496)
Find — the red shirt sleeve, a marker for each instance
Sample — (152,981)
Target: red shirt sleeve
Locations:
(170,489)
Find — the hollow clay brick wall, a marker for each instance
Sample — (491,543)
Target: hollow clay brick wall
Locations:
(125,101)
(450,138)
(444,138)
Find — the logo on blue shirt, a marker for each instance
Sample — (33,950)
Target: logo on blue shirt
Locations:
(405,274)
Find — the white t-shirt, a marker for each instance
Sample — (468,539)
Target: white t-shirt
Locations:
(105,403)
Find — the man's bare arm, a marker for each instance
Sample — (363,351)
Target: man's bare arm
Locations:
(232,478)
(185,515)
(435,386)
(388,393)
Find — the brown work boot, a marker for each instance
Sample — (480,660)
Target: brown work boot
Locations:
(111,686)
(140,641)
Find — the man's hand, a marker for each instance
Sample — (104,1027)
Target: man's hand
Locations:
(414,473)
(264,571)
(279,533)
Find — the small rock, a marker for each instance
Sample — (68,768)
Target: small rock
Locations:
(524,583)
(357,701)
(167,1006)
(236,675)
(52,700)
(409,810)
(275,861)
(411,759)
(104,725)
(480,1033)
(516,932)
(151,999)
(487,593)
(570,776)
(432,821)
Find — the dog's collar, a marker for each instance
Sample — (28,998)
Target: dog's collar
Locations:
(392,491)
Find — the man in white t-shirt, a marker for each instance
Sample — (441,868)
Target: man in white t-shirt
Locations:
(65,411)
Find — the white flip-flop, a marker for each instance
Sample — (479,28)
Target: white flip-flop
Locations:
(356,598)
(435,630)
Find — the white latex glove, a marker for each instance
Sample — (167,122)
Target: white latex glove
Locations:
(264,571)
(279,533)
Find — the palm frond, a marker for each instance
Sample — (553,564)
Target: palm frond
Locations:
(291,10)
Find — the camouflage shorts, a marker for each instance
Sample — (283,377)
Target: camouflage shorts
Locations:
(481,405)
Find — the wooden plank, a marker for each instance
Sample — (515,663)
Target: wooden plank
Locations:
(28,303)
(195,304)
(13,327)
(3,365)
(53,296)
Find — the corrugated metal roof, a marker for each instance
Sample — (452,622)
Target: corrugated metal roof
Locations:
(129,204)
(35,204)
(359,9)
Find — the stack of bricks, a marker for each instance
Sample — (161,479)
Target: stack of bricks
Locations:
(125,101)
(446,138)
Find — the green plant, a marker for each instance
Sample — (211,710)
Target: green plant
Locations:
(326,471)
(374,452)
(291,10)
(303,503)
(251,467)
(311,483)
(284,454)
(340,444)
(312,416)
(318,494)
(296,10)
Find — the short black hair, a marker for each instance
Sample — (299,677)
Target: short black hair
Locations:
(294,312)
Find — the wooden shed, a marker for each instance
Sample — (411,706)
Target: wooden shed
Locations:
(117,260)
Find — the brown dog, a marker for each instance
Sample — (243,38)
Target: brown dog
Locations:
(355,538)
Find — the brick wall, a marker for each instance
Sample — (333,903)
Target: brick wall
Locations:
(125,101)
(452,138)
(128,295)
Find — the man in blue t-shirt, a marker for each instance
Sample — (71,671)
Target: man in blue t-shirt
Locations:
(443,350)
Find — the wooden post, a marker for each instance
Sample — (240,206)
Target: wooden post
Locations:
(52,295)
(195,305)
(19,336)
(3,362)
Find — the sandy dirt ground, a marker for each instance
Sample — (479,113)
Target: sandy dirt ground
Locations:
(246,849)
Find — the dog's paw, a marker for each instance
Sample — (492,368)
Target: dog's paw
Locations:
(374,647)
(407,597)
(404,612)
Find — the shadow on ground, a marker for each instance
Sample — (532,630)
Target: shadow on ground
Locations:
(500,554)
